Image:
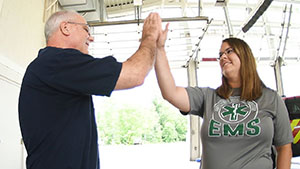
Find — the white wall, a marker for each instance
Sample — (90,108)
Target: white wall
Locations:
(21,36)
(11,155)
(21,30)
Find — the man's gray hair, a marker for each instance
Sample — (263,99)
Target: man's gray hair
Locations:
(56,19)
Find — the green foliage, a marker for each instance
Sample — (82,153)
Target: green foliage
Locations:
(127,124)
(173,124)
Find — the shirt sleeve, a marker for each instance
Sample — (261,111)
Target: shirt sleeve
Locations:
(196,98)
(282,129)
(73,72)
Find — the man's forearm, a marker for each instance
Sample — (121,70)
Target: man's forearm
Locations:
(136,68)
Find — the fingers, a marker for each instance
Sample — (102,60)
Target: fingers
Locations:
(152,27)
(162,37)
(166,28)
(153,18)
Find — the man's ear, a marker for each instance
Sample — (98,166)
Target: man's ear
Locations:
(64,28)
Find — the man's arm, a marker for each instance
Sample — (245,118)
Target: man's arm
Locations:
(136,68)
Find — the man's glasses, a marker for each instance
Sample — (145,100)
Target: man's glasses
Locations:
(227,52)
(85,26)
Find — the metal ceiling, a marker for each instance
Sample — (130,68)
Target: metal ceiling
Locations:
(197,28)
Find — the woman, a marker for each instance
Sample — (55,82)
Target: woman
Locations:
(241,119)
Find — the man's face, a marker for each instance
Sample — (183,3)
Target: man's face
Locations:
(80,34)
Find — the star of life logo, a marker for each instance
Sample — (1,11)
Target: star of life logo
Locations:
(233,117)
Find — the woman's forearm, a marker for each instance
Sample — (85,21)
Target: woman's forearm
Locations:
(177,96)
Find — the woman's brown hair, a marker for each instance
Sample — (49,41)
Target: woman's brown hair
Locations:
(251,84)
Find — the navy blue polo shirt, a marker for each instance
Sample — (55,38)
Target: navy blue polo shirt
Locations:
(56,110)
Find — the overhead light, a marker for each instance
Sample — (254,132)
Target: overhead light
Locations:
(71,2)
(79,5)
(255,14)
(221,2)
(138,2)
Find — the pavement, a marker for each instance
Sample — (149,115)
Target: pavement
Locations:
(153,156)
(147,156)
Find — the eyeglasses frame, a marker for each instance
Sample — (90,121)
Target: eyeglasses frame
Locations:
(227,52)
(87,28)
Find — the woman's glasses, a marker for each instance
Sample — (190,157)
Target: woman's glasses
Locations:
(227,52)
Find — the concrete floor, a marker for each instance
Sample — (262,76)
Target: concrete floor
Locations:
(147,156)
(153,156)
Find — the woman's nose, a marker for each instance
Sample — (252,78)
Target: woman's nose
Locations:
(223,56)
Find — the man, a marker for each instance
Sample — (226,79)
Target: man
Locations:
(55,105)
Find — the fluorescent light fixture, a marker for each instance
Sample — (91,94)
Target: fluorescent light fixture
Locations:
(138,2)
(221,2)
(79,5)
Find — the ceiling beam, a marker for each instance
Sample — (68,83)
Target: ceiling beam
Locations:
(197,18)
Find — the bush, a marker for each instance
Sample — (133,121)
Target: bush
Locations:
(128,124)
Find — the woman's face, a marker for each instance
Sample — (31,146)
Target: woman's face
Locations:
(229,62)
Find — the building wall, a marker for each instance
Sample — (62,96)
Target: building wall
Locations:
(11,149)
(21,36)
(21,29)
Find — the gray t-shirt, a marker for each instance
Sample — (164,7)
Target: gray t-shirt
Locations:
(238,134)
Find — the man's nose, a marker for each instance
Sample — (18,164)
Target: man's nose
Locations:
(91,39)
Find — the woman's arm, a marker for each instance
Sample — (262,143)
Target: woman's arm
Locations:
(177,96)
(284,156)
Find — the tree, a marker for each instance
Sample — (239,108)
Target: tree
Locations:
(131,124)
(173,124)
